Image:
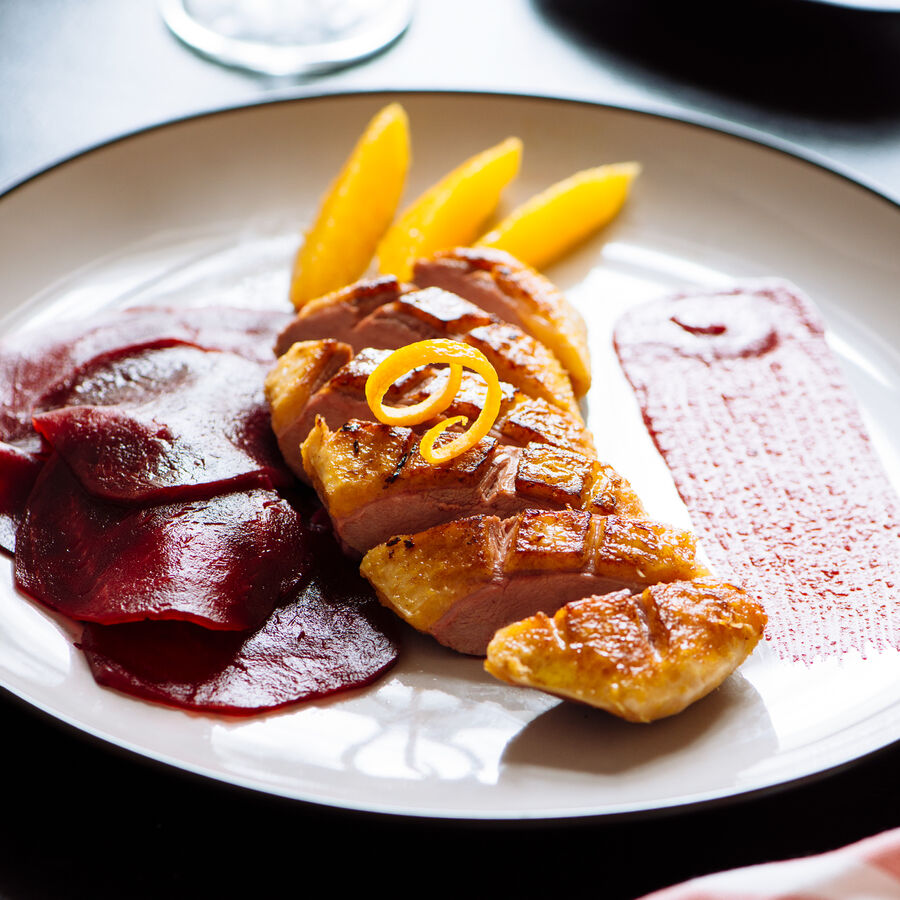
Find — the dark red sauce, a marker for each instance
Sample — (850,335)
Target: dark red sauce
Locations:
(751,412)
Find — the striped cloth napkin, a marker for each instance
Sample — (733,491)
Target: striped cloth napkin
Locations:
(868,870)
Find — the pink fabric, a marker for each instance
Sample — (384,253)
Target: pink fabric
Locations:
(867,870)
(883,852)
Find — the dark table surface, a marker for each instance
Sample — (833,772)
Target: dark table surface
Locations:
(81,820)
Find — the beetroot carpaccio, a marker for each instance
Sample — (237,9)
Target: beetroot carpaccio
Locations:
(223,562)
(326,638)
(145,498)
(33,361)
(163,422)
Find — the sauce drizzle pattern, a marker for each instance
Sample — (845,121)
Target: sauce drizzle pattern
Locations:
(750,410)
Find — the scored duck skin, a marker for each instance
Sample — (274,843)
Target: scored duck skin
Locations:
(462,581)
(525,525)
(339,312)
(502,285)
(374,482)
(299,392)
(383,314)
(638,656)
(290,387)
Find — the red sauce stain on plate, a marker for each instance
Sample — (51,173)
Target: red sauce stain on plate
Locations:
(749,408)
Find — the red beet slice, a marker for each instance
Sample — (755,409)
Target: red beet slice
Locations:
(156,423)
(329,638)
(224,562)
(33,360)
(18,471)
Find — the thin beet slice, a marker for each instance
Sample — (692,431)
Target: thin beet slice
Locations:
(33,360)
(329,638)
(18,472)
(223,563)
(159,422)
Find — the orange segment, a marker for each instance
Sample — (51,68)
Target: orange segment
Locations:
(357,209)
(451,212)
(551,223)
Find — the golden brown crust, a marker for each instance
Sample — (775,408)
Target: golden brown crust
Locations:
(640,657)
(385,314)
(568,479)
(365,294)
(650,550)
(517,356)
(296,381)
(525,363)
(292,382)
(532,543)
(527,420)
(363,462)
(350,303)
(549,541)
(371,478)
(444,312)
(346,472)
(403,569)
(543,309)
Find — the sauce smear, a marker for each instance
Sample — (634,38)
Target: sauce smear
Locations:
(749,409)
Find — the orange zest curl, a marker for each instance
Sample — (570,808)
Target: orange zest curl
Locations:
(424,353)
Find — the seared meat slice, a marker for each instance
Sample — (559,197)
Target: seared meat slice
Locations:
(290,386)
(462,581)
(335,315)
(374,483)
(500,284)
(386,315)
(299,389)
(641,656)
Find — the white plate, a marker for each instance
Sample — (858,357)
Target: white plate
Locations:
(209,209)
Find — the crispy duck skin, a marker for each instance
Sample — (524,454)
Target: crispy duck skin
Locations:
(493,571)
(340,311)
(374,483)
(640,657)
(506,287)
(318,378)
(382,313)
(291,385)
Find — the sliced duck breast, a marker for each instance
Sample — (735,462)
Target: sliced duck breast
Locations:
(462,581)
(405,316)
(290,386)
(502,285)
(374,483)
(299,392)
(336,314)
(639,656)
